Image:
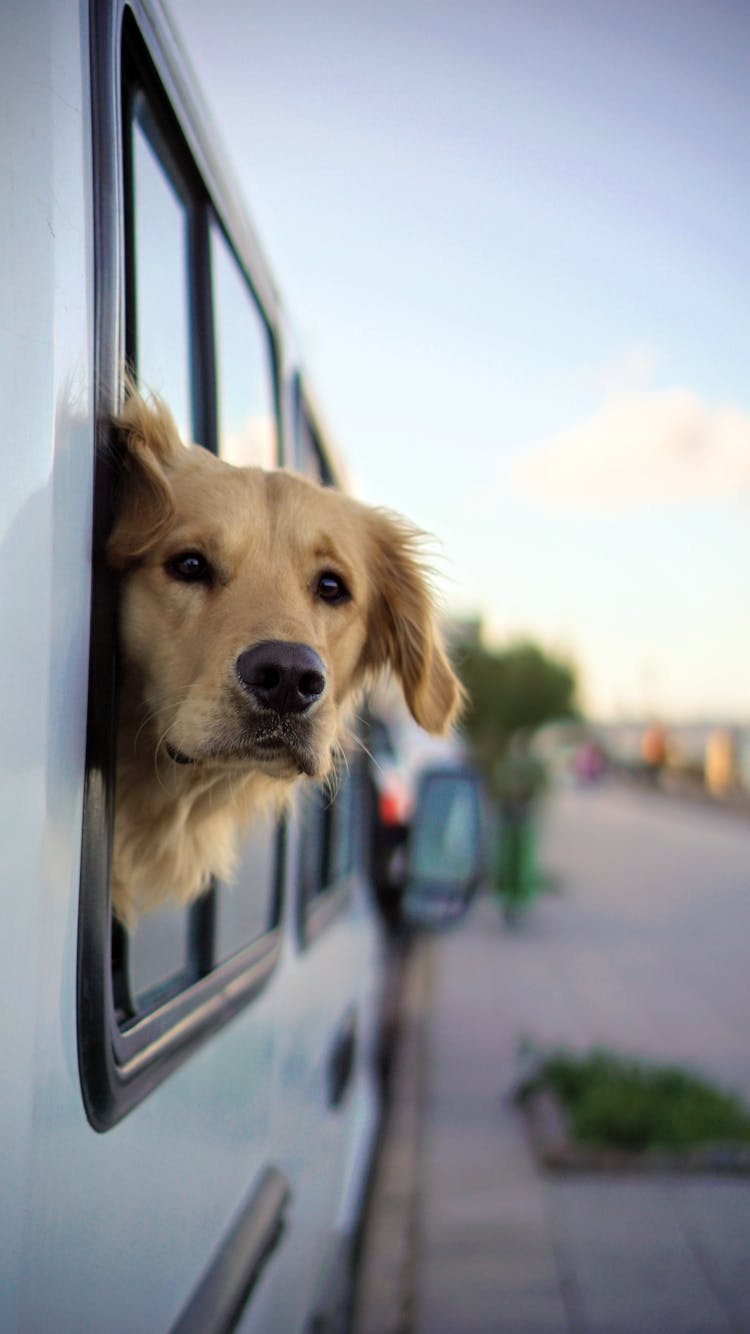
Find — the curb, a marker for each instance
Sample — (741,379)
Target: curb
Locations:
(555,1148)
(386,1278)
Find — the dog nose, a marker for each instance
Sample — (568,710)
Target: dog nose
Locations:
(286,677)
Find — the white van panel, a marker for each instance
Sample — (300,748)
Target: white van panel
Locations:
(45,545)
(114,1231)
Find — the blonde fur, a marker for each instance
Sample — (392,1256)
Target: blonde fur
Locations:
(267,536)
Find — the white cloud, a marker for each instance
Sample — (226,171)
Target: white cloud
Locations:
(641,449)
(628,371)
(253,445)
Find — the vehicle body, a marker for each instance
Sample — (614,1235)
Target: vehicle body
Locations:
(400,753)
(188,1114)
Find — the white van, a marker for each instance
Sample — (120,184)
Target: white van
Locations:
(187,1114)
(188,1111)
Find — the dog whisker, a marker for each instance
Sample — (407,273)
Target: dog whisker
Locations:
(158,751)
(359,743)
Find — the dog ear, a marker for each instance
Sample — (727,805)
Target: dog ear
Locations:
(144,505)
(402,630)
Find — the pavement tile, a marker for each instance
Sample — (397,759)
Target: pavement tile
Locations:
(715,1214)
(465,1296)
(631,1264)
(644,950)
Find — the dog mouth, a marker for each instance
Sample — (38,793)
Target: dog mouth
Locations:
(277,745)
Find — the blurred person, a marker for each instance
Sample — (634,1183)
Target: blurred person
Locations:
(653,750)
(517,781)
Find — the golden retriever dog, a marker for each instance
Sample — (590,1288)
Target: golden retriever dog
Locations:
(253,607)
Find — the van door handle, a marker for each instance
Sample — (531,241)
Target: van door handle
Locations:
(341,1060)
(227,1284)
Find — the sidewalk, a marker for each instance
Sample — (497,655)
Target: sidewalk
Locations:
(465,1235)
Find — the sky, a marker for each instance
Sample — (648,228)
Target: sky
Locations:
(513,240)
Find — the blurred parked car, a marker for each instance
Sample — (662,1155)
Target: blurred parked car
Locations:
(399,752)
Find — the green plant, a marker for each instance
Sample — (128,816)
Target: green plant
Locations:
(514,689)
(628,1104)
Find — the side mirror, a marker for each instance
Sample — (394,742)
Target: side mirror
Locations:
(446,855)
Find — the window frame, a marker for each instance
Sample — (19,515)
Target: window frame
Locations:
(306,418)
(120,1063)
(316,914)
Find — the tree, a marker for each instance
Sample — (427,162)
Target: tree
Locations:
(511,690)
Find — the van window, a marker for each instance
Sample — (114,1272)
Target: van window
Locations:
(171,947)
(159,952)
(311,459)
(327,813)
(341,841)
(326,856)
(195,333)
(245,386)
(247,435)
(160,260)
(246,906)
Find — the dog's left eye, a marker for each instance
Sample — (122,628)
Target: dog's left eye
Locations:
(189,566)
(331,588)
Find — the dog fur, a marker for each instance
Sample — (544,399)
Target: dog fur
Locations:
(197,753)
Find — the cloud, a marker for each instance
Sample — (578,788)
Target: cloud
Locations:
(629,370)
(641,449)
(254,444)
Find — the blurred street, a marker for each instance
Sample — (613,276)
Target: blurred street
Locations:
(643,948)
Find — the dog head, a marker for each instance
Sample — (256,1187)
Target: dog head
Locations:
(253,604)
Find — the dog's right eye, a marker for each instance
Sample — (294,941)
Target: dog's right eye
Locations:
(189,566)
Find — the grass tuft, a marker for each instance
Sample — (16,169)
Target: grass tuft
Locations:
(625,1103)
